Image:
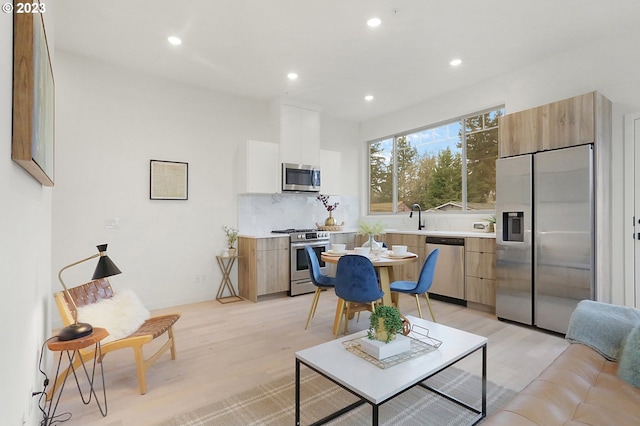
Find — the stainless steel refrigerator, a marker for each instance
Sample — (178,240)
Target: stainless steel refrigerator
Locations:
(544,236)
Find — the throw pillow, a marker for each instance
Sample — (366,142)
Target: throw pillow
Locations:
(120,315)
(629,367)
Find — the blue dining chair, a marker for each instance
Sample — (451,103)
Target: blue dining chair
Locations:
(356,285)
(321,281)
(423,285)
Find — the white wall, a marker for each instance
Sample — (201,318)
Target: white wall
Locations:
(111,122)
(25,249)
(594,66)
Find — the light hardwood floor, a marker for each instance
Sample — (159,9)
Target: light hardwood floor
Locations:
(224,349)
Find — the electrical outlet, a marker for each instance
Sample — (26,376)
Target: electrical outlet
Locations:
(112,223)
(200,279)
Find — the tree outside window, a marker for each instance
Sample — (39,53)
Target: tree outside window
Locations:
(442,168)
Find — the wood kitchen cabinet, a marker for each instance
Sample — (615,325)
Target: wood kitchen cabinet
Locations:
(519,133)
(347,238)
(480,264)
(263,266)
(415,244)
(570,122)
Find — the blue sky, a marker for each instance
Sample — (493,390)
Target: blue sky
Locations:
(430,141)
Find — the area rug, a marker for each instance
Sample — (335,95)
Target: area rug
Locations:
(273,404)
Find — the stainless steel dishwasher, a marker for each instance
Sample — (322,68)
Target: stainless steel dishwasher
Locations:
(449,277)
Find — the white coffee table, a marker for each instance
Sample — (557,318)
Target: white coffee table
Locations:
(375,385)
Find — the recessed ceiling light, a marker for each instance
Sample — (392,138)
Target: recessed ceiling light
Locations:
(374,22)
(292,76)
(368,98)
(455,62)
(174,40)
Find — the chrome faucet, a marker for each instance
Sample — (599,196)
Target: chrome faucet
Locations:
(417,206)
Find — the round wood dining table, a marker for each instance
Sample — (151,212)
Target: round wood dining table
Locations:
(383,263)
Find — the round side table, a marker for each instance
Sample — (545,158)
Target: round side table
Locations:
(70,349)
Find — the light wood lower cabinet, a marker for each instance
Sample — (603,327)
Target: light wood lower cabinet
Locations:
(263,266)
(347,238)
(480,277)
(479,264)
(415,244)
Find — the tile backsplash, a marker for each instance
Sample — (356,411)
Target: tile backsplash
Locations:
(259,214)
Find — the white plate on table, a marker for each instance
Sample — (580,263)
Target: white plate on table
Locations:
(335,253)
(400,256)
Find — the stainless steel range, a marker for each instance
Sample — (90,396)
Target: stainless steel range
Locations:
(300,282)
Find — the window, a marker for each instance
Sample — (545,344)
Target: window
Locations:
(448,167)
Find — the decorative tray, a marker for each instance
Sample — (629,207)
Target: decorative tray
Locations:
(330,228)
(420,345)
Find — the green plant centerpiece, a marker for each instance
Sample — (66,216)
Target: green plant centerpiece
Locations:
(385,322)
(232,235)
(371,229)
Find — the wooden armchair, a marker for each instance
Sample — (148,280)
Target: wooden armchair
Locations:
(152,328)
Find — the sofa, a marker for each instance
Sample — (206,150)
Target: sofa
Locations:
(594,381)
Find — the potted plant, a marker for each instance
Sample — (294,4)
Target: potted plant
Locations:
(232,235)
(492,223)
(371,229)
(385,322)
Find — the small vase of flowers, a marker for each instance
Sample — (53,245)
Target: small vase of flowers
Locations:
(330,221)
(371,229)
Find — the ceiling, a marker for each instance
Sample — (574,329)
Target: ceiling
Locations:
(247,47)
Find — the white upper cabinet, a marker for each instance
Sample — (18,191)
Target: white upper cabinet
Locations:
(299,135)
(330,168)
(258,168)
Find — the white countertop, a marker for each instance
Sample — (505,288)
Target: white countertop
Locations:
(431,233)
(269,235)
(426,233)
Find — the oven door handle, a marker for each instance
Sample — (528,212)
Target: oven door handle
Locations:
(310,244)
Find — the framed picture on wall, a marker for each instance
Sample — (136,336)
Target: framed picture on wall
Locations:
(169,180)
(32,145)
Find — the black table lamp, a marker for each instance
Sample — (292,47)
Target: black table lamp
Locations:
(104,269)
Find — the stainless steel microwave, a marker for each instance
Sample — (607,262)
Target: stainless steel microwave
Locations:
(300,177)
